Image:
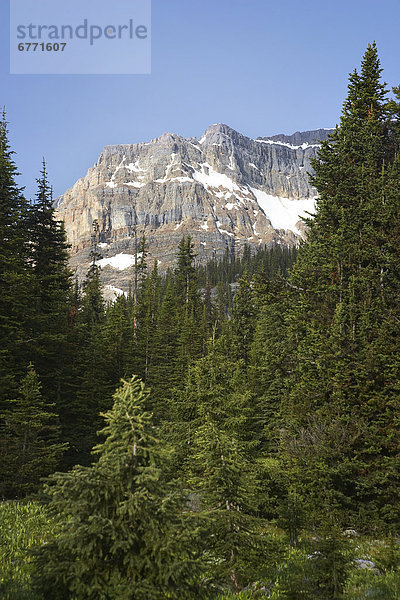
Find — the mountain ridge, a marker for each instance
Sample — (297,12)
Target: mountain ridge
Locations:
(225,189)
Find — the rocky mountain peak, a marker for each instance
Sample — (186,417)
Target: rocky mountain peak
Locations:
(300,139)
(225,190)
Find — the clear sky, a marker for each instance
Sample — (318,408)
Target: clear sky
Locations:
(261,66)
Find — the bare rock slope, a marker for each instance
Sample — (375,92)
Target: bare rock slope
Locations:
(225,189)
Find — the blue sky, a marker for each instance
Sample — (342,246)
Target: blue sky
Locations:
(261,66)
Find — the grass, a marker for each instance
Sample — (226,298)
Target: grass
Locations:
(22,527)
(26,525)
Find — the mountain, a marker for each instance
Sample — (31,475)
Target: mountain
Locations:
(226,190)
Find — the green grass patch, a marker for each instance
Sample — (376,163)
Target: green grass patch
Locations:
(23,526)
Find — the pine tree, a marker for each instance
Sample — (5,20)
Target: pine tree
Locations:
(14,276)
(93,302)
(343,284)
(30,448)
(330,562)
(148,311)
(122,530)
(214,386)
(52,292)
(163,374)
(189,307)
(268,359)
(226,483)
(186,287)
(81,418)
(243,317)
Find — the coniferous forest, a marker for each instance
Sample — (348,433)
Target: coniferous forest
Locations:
(228,430)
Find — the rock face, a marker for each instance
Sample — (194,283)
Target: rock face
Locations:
(225,189)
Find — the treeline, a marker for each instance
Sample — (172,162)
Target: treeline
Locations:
(64,350)
(271,425)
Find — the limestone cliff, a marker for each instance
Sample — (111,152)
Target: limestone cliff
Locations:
(225,189)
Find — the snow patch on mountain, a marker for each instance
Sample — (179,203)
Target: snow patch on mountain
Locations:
(120,261)
(116,291)
(303,146)
(212,179)
(284,213)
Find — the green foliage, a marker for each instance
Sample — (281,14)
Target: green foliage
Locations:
(330,562)
(29,446)
(336,388)
(364,584)
(123,533)
(225,481)
(386,556)
(23,527)
(292,515)
(186,285)
(295,577)
(14,275)
(274,376)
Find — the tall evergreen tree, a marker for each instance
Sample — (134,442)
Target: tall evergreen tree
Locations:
(189,307)
(243,314)
(186,284)
(52,293)
(340,306)
(163,373)
(123,533)
(30,445)
(94,387)
(226,483)
(14,276)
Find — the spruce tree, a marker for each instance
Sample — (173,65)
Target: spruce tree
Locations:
(52,292)
(163,374)
(189,307)
(343,284)
(30,445)
(243,318)
(15,299)
(186,284)
(122,530)
(227,487)
(93,386)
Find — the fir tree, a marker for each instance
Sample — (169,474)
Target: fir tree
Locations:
(30,445)
(243,314)
(163,374)
(15,299)
(93,387)
(122,532)
(340,303)
(186,273)
(52,292)
(148,311)
(227,486)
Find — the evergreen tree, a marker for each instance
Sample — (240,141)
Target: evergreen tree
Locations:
(148,311)
(227,486)
(93,302)
(186,284)
(52,293)
(191,317)
(81,418)
(343,284)
(139,274)
(243,317)
(14,277)
(122,530)
(330,562)
(163,373)
(30,446)
(215,387)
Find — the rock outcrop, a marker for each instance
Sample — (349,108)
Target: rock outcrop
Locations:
(225,189)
